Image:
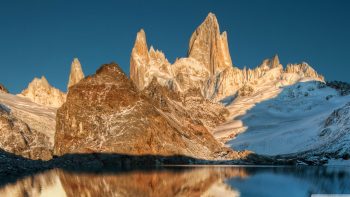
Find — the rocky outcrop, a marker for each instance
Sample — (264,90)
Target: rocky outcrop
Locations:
(342,87)
(209,47)
(232,79)
(41,92)
(303,70)
(146,64)
(189,109)
(3,89)
(76,73)
(106,113)
(18,138)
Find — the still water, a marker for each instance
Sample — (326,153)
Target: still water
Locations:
(184,181)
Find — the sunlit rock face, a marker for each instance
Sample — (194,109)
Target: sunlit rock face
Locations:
(41,92)
(146,64)
(18,138)
(106,113)
(191,110)
(208,54)
(209,47)
(303,70)
(76,73)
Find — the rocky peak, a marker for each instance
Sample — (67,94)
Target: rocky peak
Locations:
(41,92)
(146,64)
(3,89)
(209,47)
(76,73)
(303,70)
(106,113)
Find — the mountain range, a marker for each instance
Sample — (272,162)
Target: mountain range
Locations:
(201,106)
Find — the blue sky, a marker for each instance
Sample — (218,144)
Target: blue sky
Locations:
(41,37)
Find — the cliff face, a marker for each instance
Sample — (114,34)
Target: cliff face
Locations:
(105,112)
(41,92)
(209,47)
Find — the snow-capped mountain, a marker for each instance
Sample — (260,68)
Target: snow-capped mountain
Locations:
(200,106)
(272,110)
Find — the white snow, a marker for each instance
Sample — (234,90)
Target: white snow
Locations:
(281,120)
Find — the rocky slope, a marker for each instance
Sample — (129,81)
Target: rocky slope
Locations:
(106,113)
(18,138)
(299,120)
(76,73)
(41,92)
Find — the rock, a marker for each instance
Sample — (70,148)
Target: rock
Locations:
(3,89)
(246,90)
(41,92)
(105,113)
(188,108)
(145,64)
(76,73)
(209,47)
(18,138)
(304,70)
(342,87)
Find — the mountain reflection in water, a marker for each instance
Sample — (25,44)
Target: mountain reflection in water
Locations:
(185,181)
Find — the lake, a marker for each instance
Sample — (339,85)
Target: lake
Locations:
(184,181)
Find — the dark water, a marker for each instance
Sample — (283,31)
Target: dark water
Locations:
(184,181)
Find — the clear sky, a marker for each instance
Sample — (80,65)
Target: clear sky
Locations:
(40,37)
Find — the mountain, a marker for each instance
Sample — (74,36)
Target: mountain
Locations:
(208,54)
(76,73)
(106,113)
(41,92)
(209,47)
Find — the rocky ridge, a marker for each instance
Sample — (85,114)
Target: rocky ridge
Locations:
(41,92)
(105,112)
(209,66)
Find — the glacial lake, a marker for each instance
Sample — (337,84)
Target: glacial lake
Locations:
(184,181)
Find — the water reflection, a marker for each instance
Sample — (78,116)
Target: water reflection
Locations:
(185,181)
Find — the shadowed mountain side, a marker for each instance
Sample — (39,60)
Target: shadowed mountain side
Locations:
(307,121)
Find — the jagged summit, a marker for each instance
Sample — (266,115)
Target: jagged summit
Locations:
(144,63)
(209,47)
(41,92)
(76,73)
